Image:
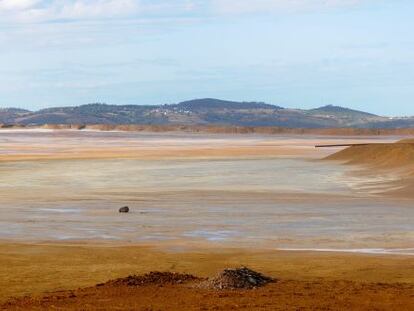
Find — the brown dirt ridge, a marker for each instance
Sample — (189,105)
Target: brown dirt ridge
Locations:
(392,155)
(384,158)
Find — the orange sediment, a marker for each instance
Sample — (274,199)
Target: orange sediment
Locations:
(35,269)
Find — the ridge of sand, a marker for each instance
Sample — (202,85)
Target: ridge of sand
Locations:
(406,141)
(384,158)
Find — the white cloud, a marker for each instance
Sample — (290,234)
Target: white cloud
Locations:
(16,5)
(41,10)
(254,6)
(81,9)
(46,10)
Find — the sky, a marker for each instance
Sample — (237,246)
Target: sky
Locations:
(293,53)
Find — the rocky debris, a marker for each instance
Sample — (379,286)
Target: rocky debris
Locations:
(241,278)
(124,209)
(152,278)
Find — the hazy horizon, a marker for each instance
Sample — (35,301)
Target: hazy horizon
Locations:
(301,54)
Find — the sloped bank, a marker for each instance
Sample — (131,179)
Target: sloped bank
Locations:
(383,158)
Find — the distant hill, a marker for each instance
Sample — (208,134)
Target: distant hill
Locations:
(13,110)
(340,111)
(212,103)
(207,111)
(10,115)
(345,116)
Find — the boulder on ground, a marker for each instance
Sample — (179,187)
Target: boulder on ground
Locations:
(124,209)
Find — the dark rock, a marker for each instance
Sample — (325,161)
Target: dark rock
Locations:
(124,209)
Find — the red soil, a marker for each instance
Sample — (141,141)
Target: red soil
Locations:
(177,292)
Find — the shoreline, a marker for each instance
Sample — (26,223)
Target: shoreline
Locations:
(207,247)
(212,129)
(195,246)
(365,251)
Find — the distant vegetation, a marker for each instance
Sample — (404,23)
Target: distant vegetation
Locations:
(207,111)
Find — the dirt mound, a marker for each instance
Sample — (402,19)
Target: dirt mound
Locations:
(152,278)
(242,278)
(406,141)
(378,155)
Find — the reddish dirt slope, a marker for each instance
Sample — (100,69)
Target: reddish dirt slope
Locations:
(385,156)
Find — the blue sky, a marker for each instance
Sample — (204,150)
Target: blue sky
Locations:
(293,53)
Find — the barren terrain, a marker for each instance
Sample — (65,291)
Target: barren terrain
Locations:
(334,236)
(305,280)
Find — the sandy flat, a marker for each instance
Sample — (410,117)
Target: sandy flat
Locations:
(40,145)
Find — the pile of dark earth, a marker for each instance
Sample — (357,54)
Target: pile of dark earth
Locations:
(241,278)
(152,278)
(228,279)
